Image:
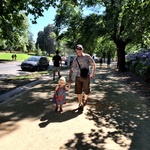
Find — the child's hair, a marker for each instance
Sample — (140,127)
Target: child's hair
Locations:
(62,79)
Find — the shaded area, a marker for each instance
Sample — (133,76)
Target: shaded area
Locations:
(52,117)
(119,110)
(31,104)
(121,114)
(10,84)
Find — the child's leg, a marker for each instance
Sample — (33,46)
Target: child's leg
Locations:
(61,108)
(56,108)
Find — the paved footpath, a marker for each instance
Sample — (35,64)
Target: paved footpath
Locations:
(116,117)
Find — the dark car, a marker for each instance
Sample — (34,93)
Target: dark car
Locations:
(35,63)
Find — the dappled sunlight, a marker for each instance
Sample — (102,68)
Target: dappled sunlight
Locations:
(8,126)
(116,127)
(118,113)
(115,118)
(32,105)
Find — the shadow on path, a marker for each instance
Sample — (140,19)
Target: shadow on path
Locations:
(52,117)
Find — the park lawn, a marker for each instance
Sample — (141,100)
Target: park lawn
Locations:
(7,56)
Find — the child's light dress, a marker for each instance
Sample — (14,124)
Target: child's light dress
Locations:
(60,96)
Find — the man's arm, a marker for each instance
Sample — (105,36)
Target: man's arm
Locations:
(93,69)
(70,75)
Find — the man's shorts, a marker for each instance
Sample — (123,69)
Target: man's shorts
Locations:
(82,85)
(56,68)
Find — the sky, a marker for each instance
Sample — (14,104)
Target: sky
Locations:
(42,22)
(47,19)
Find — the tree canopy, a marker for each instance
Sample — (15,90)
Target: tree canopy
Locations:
(122,21)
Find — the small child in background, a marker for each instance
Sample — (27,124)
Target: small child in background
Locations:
(60,94)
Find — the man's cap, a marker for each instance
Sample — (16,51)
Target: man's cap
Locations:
(79,46)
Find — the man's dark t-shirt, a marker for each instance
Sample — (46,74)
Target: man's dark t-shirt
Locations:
(56,60)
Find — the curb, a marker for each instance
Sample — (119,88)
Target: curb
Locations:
(11,94)
(6,97)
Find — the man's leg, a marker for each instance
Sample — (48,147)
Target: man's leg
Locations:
(58,69)
(85,99)
(53,75)
(59,74)
(80,99)
(86,89)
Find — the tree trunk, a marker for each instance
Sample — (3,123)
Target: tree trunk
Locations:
(121,55)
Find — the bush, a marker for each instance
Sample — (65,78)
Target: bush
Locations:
(44,53)
(38,52)
(139,63)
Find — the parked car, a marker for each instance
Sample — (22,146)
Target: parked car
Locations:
(70,59)
(35,63)
(96,59)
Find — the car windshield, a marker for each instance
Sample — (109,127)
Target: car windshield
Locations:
(33,59)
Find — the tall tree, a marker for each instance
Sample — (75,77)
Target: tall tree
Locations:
(47,39)
(124,21)
(15,36)
(68,21)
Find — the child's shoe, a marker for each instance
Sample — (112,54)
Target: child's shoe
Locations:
(56,109)
(61,110)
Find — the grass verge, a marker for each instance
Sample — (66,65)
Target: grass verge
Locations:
(13,82)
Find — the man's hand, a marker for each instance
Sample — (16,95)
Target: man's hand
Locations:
(70,81)
(92,75)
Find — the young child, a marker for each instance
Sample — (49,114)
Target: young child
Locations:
(60,93)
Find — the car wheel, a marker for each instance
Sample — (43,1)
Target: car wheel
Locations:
(23,69)
(37,68)
(47,67)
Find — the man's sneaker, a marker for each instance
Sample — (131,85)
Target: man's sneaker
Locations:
(80,107)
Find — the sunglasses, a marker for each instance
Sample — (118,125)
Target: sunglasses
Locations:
(79,48)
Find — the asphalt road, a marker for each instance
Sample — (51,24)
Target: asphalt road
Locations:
(13,68)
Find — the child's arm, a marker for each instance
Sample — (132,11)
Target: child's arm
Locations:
(67,87)
(56,90)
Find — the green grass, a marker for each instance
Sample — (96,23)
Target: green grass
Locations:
(7,56)
(36,74)
(30,76)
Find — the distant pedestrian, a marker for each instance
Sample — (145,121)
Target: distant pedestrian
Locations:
(15,56)
(108,61)
(101,62)
(12,56)
(60,94)
(56,64)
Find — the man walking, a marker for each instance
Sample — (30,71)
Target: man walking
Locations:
(56,65)
(82,63)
